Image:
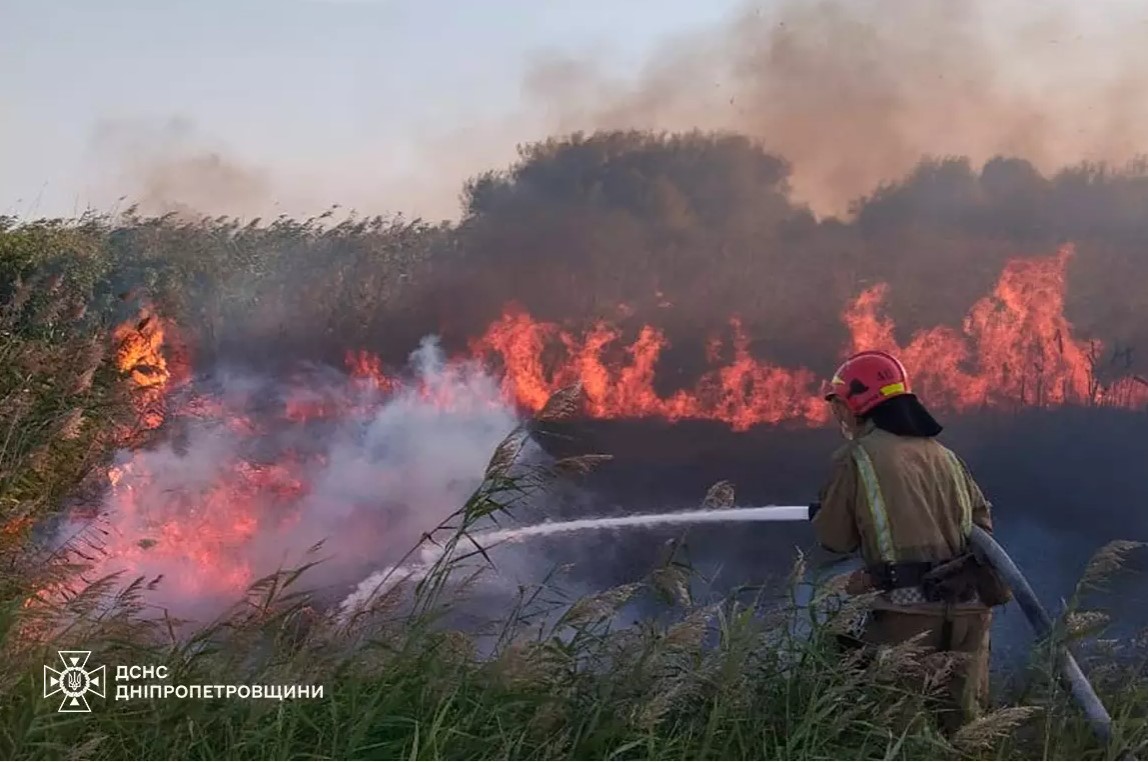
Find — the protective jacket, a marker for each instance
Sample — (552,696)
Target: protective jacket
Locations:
(900,500)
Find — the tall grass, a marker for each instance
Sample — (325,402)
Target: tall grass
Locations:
(59,405)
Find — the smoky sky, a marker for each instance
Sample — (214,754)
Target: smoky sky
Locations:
(852,94)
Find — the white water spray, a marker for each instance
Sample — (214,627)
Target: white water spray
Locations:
(760,513)
(428,556)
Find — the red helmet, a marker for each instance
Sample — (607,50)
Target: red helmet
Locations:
(867,379)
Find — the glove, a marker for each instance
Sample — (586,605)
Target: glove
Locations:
(813,509)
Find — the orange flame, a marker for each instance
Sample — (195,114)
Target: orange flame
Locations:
(1015,347)
(743,393)
(367,370)
(143,348)
(201,539)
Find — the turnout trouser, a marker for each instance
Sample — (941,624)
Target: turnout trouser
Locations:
(965,693)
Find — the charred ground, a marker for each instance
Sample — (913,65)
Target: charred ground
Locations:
(1063,483)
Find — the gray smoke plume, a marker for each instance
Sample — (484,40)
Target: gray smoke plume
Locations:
(241,494)
(853,93)
(173,167)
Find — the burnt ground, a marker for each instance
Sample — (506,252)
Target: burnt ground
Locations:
(1063,483)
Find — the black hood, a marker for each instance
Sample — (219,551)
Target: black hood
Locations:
(905,416)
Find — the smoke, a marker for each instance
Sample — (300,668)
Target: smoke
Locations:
(177,166)
(173,167)
(415,460)
(242,493)
(854,94)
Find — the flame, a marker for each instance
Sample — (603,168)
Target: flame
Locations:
(367,370)
(743,393)
(143,347)
(202,538)
(1014,347)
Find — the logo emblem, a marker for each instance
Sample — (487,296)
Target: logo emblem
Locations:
(75,681)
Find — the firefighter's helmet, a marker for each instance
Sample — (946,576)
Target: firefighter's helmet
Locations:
(867,379)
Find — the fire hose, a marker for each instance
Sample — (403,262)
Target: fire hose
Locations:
(989,550)
(1078,685)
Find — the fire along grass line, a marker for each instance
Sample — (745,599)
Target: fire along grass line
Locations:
(375,584)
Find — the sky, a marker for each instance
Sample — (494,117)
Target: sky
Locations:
(261,107)
(309,88)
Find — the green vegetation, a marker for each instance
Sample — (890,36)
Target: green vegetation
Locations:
(576,228)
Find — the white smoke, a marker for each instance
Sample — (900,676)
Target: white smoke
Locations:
(367,485)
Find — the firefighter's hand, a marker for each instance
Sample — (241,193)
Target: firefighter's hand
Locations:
(859,583)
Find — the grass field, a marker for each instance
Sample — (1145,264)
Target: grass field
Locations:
(550,678)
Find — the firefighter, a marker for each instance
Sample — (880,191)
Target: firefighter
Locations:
(907,503)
